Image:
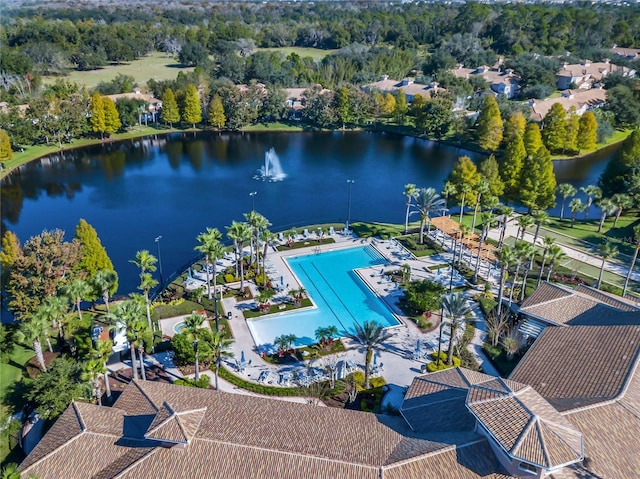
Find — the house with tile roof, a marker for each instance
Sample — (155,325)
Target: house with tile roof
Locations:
(586,74)
(406,85)
(581,100)
(627,53)
(502,82)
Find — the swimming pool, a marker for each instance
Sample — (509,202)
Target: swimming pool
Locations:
(340,296)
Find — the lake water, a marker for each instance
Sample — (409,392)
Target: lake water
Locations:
(176,186)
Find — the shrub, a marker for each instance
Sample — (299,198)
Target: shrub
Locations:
(433,366)
(204,382)
(487,305)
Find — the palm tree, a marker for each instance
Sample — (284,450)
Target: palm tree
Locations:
(219,345)
(455,306)
(523,251)
(44,313)
(482,188)
(267,238)
(555,254)
(448,190)
(465,232)
(411,192)
(506,212)
(103,352)
(129,314)
(428,201)
(284,342)
(57,307)
(147,264)
(77,291)
(33,331)
(593,193)
(607,207)
(622,202)
(512,343)
(464,189)
(576,206)
(566,190)
(147,282)
(136,331)
(104,281)
(506,258)
(487,221)
(636,236)
(239,233)
(209,242)
(606,250)
(371,336)
(258,223)
(524,222)
(547,242)
(539,218)
(92,370)
(193,325)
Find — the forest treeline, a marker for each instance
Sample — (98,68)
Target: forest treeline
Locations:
(371,39)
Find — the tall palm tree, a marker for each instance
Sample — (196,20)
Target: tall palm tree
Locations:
(209,242)
(547,242)
(622,202)
(147,282)
(193,325)
(57,308)
(465,232)
(464,189)
(44,314)
(371,336)
(455,307)
(636,236)
(411,192)
(129,314)
(147,264)
(524,222)
(448,190)
(566,190)
(258,224)
(506,212)
(104,281)
(77,291)
(267,238)
(219,345)
(606,250)
(523,251)
(540,218)
(103,352)
(555,254)
(428,201)
(506,258)
(482,188)
(576,206)
(487,222)
(593,193)
(136,332)
(239,233)
(33,331)
(607,207)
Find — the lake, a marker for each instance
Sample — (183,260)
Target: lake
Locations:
(175,186)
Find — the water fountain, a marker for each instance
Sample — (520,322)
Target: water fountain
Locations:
(271,171)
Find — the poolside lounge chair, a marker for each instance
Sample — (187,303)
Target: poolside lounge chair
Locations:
(285,378)
(264,376)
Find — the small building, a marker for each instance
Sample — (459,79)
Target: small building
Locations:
(586,74)
(581,100)
(406,85)
(502,82)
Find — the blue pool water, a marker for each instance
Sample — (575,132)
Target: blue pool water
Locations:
(341,297)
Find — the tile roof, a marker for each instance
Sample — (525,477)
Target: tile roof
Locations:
(229,435)
(582,306)
(525,425)
(581,365)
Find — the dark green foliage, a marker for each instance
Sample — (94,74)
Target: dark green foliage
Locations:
(120,84)
(52,391)
(422,296)
(204,382)
(94,256)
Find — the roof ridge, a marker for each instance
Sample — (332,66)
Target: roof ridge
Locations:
(450,447)
(53,451)
(531,423)
(78,414)
(130,467)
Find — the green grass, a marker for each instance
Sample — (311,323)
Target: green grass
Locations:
(158,66)
(276,126)
(315,53)
(617,137)
(11,372)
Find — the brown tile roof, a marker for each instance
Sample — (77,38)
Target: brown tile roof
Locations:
(525,425)
(231,436)
(582,306)
(581,365)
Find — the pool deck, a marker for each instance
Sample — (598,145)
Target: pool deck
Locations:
(397,357)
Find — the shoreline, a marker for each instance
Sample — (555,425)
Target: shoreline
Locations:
(44,151)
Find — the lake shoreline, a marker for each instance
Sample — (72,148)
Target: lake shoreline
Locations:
(154,132)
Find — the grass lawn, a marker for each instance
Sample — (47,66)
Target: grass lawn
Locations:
(584,234)
(315,53)
(158,66)
(11,372)
(276,126)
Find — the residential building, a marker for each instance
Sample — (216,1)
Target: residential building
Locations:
(406,85)
(581,100)
(587,74)
(501,82)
